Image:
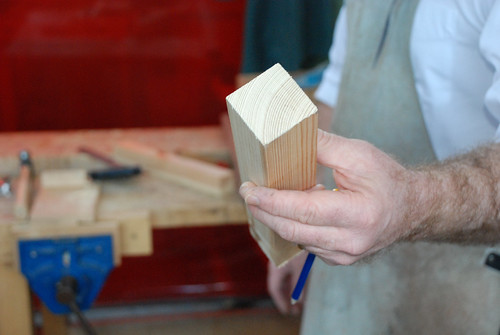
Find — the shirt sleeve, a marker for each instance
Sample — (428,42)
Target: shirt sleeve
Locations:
(328,89)
(490,48)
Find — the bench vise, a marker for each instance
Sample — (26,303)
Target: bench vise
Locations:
(66,272)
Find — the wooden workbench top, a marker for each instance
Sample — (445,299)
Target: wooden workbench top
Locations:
(171,205)
(200,140)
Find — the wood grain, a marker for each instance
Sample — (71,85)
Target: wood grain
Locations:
(274,126)
(64,178)
(193,173)
(15,303)
(67,204)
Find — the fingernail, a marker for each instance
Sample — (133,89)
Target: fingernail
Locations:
(252,200)
(246,193)
(244,187)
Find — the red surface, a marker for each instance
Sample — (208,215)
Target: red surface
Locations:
(191,263)
(116,63)
(134,63)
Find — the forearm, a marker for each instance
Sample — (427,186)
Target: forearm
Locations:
(457,200)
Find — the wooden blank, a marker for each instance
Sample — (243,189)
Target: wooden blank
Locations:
(136,235)
(15,303)
(71,204)
(274,126)
(5,243)
(64,178)
(186,171)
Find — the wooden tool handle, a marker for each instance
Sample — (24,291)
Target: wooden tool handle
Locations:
(23,193)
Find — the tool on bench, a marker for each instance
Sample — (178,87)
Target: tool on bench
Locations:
(65,264)
(5,187)
(23,188)
(115,171)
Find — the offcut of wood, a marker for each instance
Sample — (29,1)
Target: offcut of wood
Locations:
(15,311)
(136,235)
(189,172)
(64,178)
(66,204)
(274,126)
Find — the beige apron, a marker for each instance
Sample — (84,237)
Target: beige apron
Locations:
(420,288)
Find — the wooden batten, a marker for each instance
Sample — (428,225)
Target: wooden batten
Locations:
(186,171)
(274,126)
(136,235)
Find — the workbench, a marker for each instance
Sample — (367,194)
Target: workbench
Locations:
(172,208)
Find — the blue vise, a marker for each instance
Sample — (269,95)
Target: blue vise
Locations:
(49,263)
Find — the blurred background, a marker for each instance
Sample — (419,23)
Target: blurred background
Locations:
(104,64)
(145,63)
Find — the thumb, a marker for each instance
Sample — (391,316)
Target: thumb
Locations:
(329,147)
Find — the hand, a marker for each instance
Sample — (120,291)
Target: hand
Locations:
(370,210)
(281,282)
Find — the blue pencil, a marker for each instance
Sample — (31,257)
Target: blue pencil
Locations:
(302,278)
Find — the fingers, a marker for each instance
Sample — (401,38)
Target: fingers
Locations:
(296,216)
(294,231)
(278,286)
(299,206)
(318,187)
(333,257)
(282,280)
(340,153)
(328,146)
(321,240)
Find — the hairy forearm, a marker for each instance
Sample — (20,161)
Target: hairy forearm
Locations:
(457,200)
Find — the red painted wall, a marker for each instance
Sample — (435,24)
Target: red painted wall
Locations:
(117,63)
(72,64)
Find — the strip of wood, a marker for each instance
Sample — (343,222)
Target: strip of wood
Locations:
(189,172)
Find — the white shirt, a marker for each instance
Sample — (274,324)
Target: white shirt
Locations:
(455,54)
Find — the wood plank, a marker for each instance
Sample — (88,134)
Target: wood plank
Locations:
(78,204)
(6,246)
(193,173)
(53,324)
(274,126)
(136,236)
(170,204)
(15,303)
(64,178)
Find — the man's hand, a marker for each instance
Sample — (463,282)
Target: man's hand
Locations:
(366,214)
(281,282)
(380,202)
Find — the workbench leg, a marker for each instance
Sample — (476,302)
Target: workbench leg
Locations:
(15,303)
(53,324)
